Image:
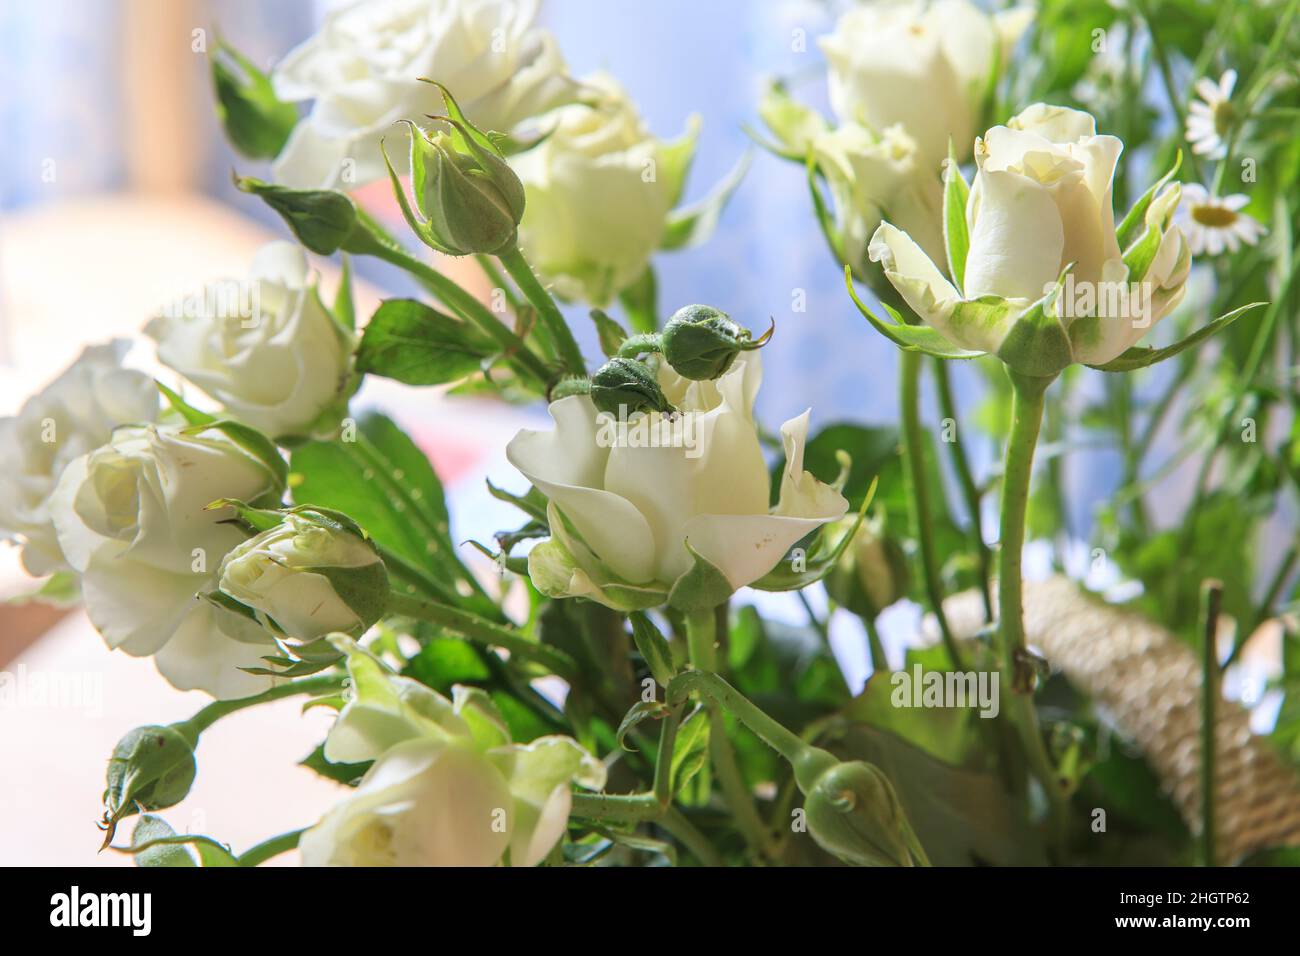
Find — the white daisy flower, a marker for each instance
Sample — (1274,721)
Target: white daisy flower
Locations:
(1212,115)
(1214,223)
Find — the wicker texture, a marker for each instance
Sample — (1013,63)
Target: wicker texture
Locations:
(1149,682)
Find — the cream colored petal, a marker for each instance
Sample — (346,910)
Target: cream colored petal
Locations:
(1059,124)
(567,465)
(913,274)
(1016,240)
(201,656)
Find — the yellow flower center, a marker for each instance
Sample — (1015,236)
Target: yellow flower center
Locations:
(1217,217)
(1224,116)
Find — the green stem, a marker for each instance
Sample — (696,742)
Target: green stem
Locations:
(466,306)
(663,781)
(474,628)
(1211,597)
(645,808)
(566,345)
(675,822)
(617,807)
(214,711)
(879,659)
(966,479)
(634,346)
(805,758)
(701,638)
(498,281)
(270,848)
(1027,418)
(909,384)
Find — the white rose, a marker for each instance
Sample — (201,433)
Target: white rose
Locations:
(132,519)
(310,575)
(363,71)
(1041,201)
(623,515)
(926,66)
(73,414)
(599,192)
(877,177)
(448,787)
(267,349)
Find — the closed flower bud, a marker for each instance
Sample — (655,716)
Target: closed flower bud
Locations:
(468,197)
(152,767)
(313,574)
(701,342)
(854,814)
(627,385)
(872,574)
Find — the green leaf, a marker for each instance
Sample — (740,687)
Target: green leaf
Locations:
(154,843)
(256,121)
(532,504)
(323,220)
(912,338)
(653,647)
(1128,229)
(675,160)
(1141,357)
(642,710)
(611,334)
(408,341)
(955,236)
(384,482)
(702,588)
(640,302)
(183,408)
(345,308)
(694,224)
(60,589)
(690,749)
(1037,344)
(348,774)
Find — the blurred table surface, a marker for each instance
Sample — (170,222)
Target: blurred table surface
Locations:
(86,271)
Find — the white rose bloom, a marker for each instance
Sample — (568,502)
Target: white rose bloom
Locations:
(267,349)
(132,520)
(363,71)
(448,787)
(308,577)
(926,66)
(599,192)
(1041,201)
(73,414)
(624,514)
(877,177)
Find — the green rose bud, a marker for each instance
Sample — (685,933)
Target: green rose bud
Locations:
(468,198)
(151,768)
(311,575)
(626,385)
(701,342)
(872,574)
(854,814)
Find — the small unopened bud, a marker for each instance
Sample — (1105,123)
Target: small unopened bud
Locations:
(313,574)
(627,385)
(854,814)
(872,573)
(151,768)
(468,198)
(701,342)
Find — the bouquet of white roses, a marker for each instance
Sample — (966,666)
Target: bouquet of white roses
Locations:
(611,696)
